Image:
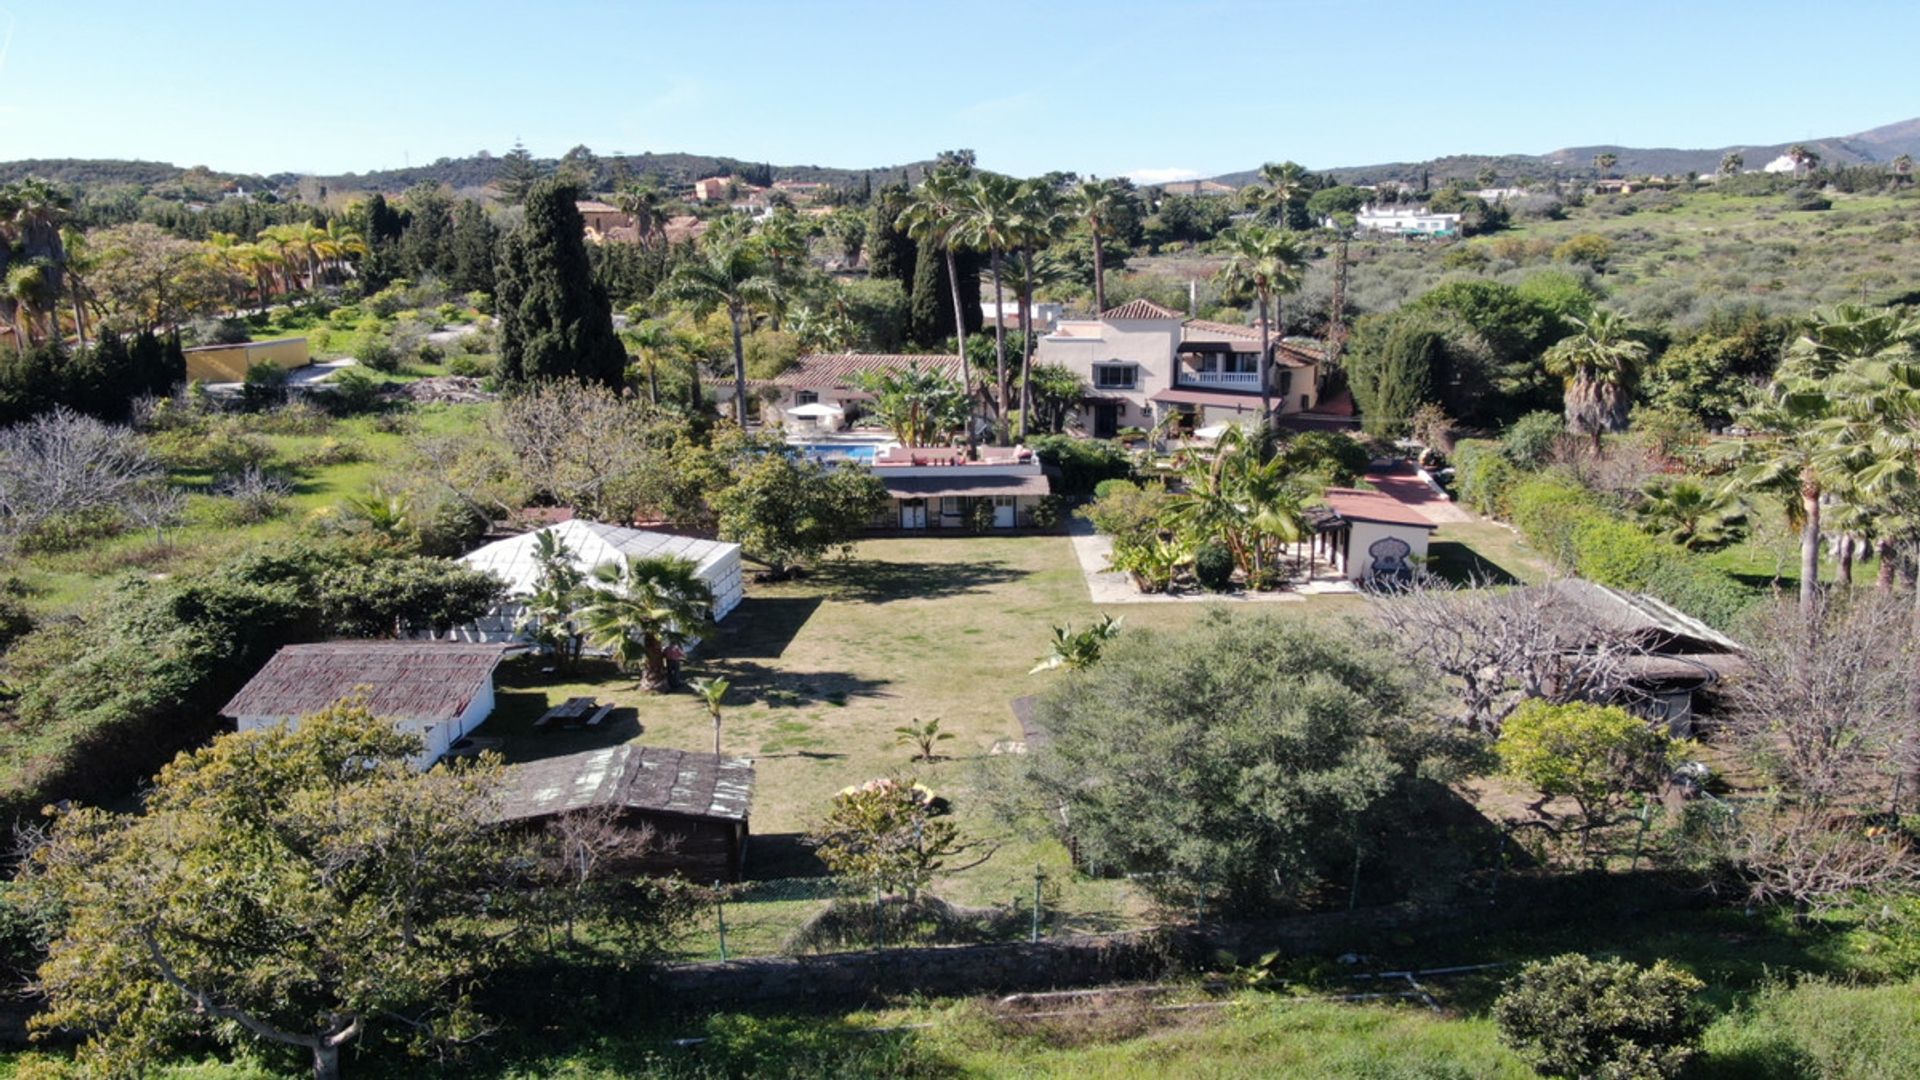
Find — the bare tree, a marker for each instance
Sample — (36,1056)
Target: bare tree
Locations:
(588,850)
(62,463)
(1499,647)
(158,505)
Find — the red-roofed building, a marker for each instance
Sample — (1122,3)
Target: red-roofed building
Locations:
(1148,365)
(439,691)
(1370,535)
(832,379)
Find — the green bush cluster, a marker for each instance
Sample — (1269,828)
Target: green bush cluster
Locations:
(1081,463)
(1482,477)
(1568,524)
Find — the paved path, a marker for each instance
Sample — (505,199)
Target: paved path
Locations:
(1405,485)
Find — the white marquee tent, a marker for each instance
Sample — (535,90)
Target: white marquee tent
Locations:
(595,544)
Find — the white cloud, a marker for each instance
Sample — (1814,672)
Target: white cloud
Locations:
(1162,176)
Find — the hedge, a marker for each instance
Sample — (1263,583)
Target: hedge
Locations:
(1081,463)
(1573,528)
(1483,477)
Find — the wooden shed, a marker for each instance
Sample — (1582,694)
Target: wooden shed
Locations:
(696,804)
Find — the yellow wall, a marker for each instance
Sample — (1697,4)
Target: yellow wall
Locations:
(229,363)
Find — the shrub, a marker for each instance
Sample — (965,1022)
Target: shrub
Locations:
(1049,512)
(265,386)
(1483,476)
(1705,592)
(1125,510)
(1586,249)
(354,392)
(1572,1016)
(471,366)
(1530,442)
(377,352)
(1082,463)
(980,515)
(1213,566)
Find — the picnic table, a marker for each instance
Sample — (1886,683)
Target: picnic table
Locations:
(575,712)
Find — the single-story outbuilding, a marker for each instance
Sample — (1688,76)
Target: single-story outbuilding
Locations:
(696,804)
(439,692)
(515,560)
(229,363)
(941,488)
(1370,535)
(1681,657)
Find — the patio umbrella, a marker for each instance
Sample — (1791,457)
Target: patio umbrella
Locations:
(1211,431)
(816,411)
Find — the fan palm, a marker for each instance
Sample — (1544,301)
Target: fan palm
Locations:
(1281,185)
(1097,202)
(1690,513)
(728,274)
(644,612)
(1272,263)
(1598,364)
(645,204)
(655,342)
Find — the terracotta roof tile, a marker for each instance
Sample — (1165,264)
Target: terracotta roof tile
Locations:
(1139,309)
(1356,505)
(835,371)
(403,680)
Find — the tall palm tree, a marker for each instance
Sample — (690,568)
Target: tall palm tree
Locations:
(1027,276)
(1039,223)
(729,274)
(655,342)
(337,242)
(1605,162)
(1598,364)
(646,205)
(645,611)
(1281,185)
(992,209)
(1732,162)
(1096,202)
(1272,263)
(936,214)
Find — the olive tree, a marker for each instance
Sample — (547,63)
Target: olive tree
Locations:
(300,886)
(1241,761)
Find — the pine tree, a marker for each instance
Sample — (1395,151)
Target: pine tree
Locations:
(555,320)
(518,173)
(427,245)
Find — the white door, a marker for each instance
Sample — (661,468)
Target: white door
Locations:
(913,513)
(1003,511)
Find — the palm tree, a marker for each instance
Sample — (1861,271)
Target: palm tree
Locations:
(1690,513)
(645,612)
(29,289)
(1605,162)
(1246,498)
(547,613)
(712,693)
(645,204)
(1039,223)
(992,208)
(1282,185)
(1903,168)
(936,214)
(729,273)
(1803,157)
(1272,263)
(655,342)
(338,241)
(1598,364)
(920,406)
(1732,162)
(1096,202)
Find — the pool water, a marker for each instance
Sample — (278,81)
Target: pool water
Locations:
(862,452)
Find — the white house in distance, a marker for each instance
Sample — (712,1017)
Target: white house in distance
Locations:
(1370,535)
(515,561)
(1407,221)
(437,691)
(1145,362)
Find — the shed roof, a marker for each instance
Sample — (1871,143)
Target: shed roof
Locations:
(836,371)
(1638,613)
(1356,505)
(404,680)
(686,783)
(593,543)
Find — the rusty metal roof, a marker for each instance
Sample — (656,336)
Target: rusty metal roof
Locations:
(403,680)
(651,778)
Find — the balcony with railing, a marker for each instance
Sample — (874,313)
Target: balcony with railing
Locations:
(1219,380)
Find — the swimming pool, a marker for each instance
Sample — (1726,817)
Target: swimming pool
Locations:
(847,451)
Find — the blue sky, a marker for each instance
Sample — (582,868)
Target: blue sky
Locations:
(1158,89)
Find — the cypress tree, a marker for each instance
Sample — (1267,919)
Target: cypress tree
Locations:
(891,253)
(930,304)
(555,320)
(474,241)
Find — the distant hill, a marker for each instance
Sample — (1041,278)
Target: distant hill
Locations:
(466,173)
(1877,146)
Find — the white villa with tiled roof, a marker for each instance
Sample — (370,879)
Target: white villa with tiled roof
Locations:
(1145,363)
(833,378)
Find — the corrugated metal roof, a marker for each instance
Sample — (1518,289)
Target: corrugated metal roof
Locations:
(651,778)
(1638,613)
(403,680)
(593,544)
(836,371)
